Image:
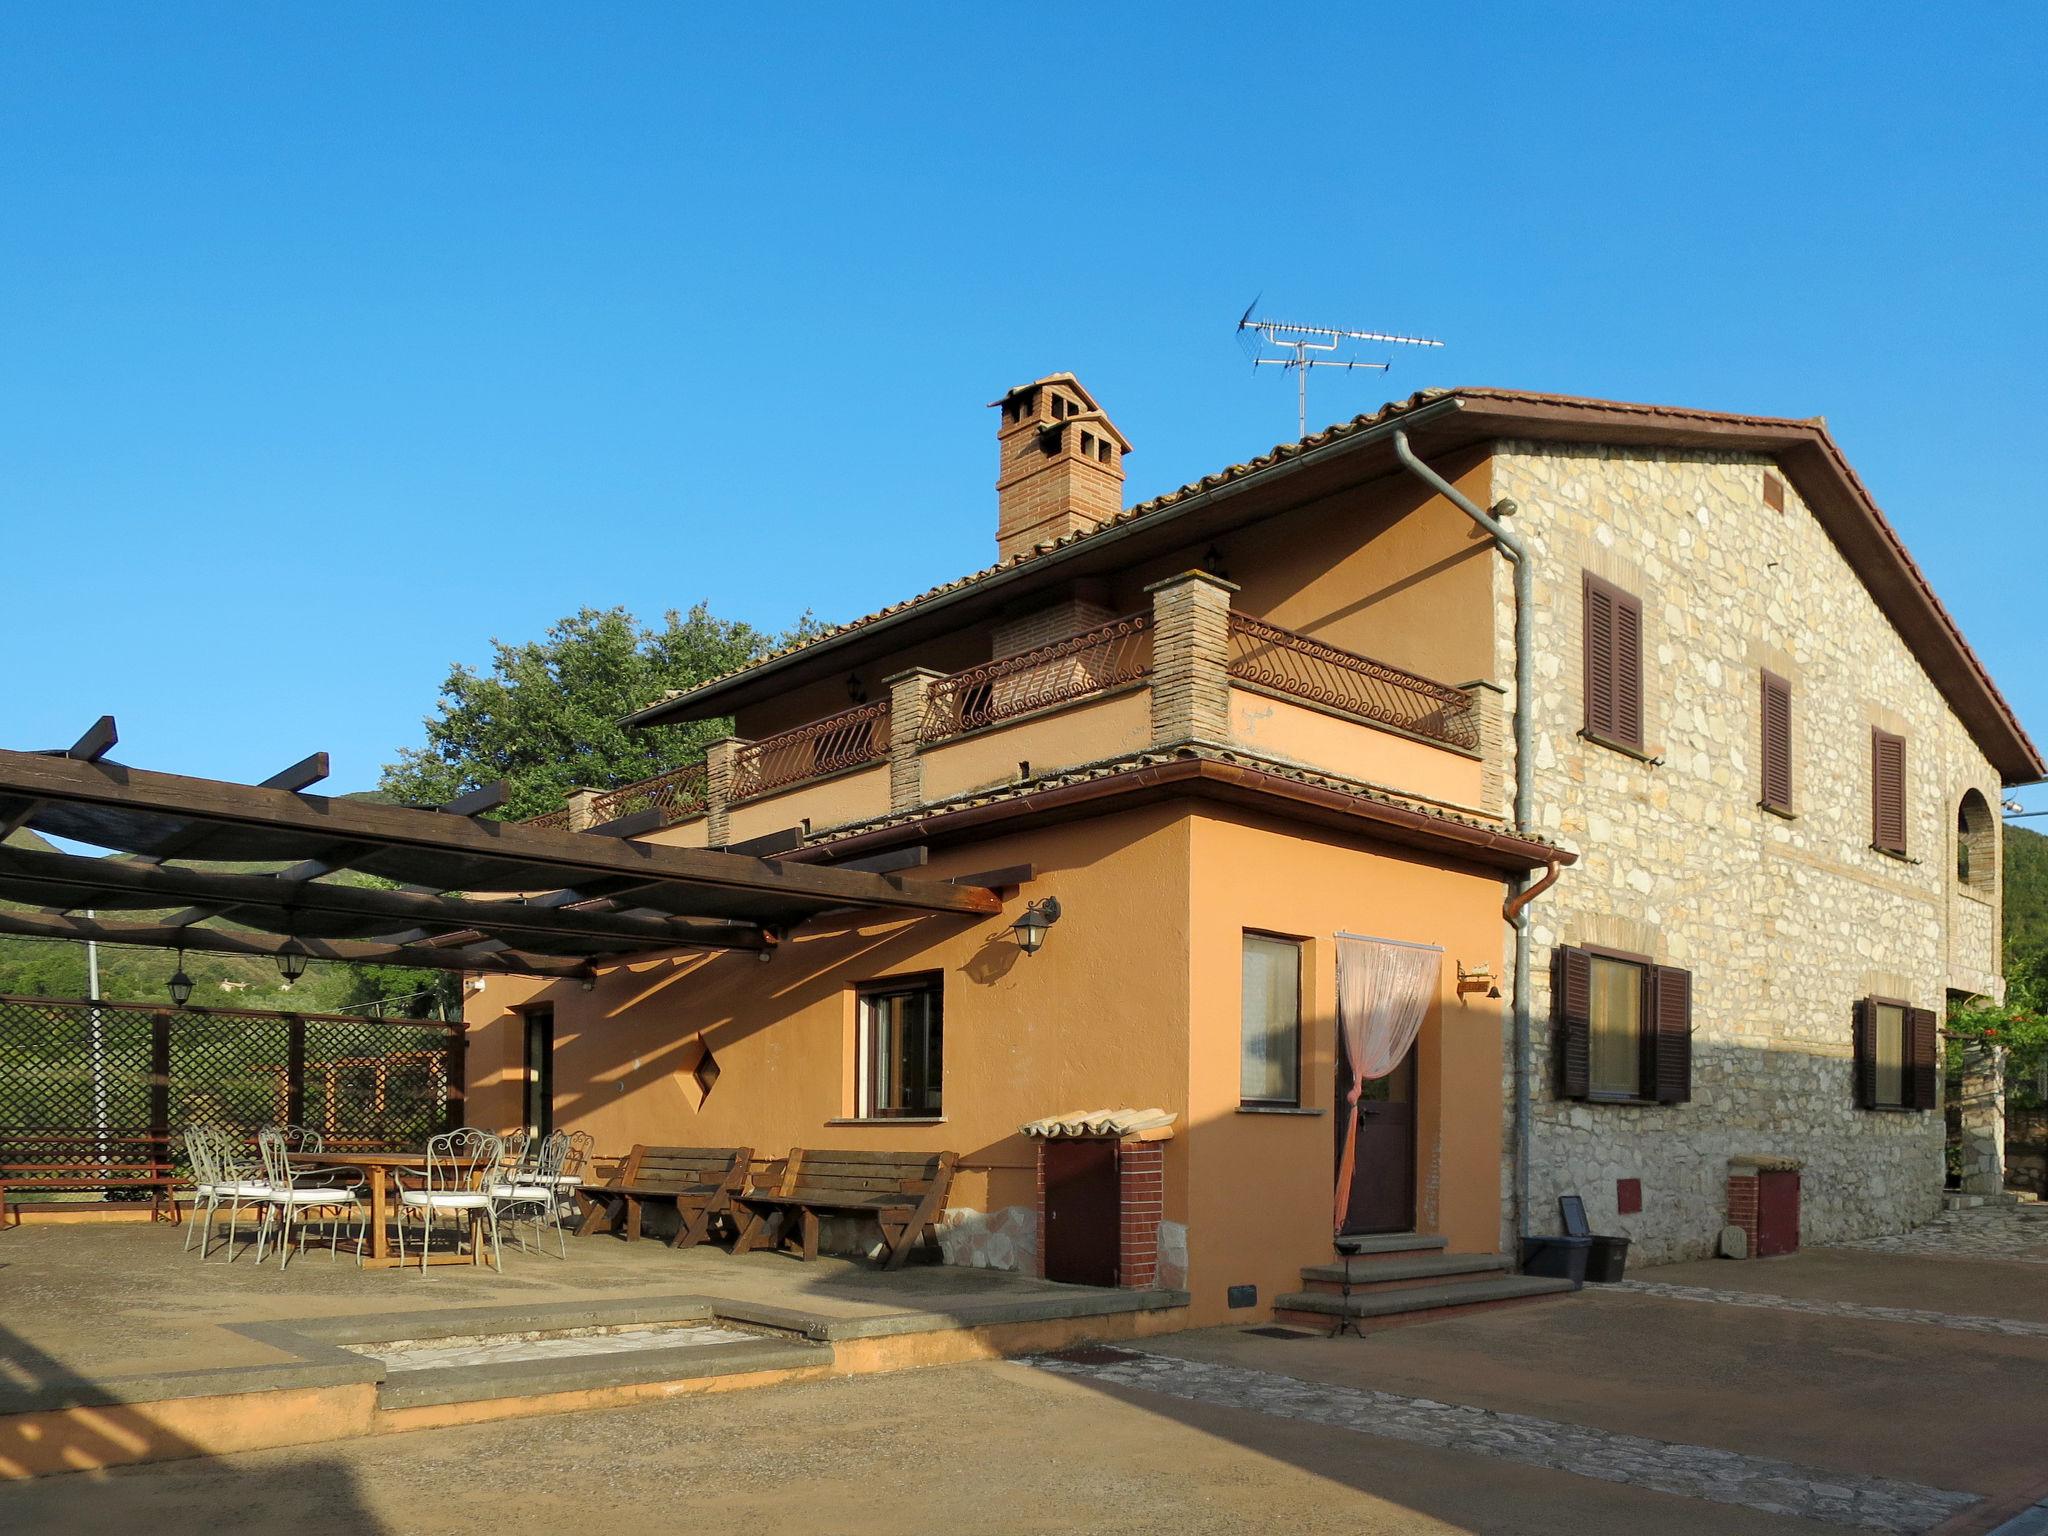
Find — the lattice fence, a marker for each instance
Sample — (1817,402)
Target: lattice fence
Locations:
(113,1084)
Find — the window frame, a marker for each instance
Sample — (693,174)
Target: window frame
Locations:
(928,983)
(1646,969)
(1300,946)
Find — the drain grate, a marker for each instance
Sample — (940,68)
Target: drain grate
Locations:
(1280,1333)
(1093,1354)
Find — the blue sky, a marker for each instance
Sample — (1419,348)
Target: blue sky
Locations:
(335,341)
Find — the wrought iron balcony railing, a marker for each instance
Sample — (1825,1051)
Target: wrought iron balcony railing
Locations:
(850,739)
(1299,667)
(678,794)
(1061,672)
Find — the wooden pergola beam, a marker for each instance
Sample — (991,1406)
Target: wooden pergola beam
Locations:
(213,940)
(214,894)
(118,787)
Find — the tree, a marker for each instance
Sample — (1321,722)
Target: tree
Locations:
(547,717)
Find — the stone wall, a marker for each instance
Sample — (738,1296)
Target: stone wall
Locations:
(1783,921)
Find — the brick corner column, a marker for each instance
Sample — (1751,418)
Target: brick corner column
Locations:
(1191,658)
(1141,1186)
(907,692)
(1489,714)
(720,759)
(1743,1206)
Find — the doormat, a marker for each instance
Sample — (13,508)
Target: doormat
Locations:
(1282,1333)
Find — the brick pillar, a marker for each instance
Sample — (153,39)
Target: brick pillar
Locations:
(718,776)
(1040,1206)
(1141,1181)
(1489,713)
(582,809)
(1191,658)
(906,724)
(1742,1203)
(1981,1108)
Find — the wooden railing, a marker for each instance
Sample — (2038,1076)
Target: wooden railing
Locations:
(1294,665)
(678,794)
(850,739)
(1091,662)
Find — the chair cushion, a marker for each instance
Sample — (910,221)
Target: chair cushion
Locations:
(447,1199)
(521,1192)
(569,1178)
(313,1196)
(245,1191)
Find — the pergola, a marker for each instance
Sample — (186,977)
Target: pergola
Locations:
(470,894)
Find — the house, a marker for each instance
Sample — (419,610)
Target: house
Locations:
(1629,740)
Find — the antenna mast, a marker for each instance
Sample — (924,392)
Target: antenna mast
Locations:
(1296,342)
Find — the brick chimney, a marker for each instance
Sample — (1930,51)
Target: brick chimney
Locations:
(1061,464)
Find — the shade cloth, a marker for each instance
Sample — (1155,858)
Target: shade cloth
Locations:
(1384,989)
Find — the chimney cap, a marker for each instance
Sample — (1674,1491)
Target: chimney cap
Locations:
(1092,412)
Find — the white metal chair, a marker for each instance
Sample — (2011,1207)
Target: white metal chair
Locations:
(462,1166)
(293,1194)
(535,1188)
(575,1165)
(217,1177)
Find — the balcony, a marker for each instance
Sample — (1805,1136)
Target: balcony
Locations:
(1192,669)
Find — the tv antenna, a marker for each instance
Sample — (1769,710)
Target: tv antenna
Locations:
(1294,343)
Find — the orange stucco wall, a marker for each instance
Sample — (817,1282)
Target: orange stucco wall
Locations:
(1134,1000)
(1098,1017)
(1082,733)
(1261,1186)
(1295,733)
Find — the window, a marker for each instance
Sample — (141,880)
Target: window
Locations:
(1269,1065)
(1888,792)
(1894,1051)
(1614,664)
(540,1070)
(899,1049)
(1624,1027)
(1976,849)
(1776,756)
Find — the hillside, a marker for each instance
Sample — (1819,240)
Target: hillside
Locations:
(2026,892)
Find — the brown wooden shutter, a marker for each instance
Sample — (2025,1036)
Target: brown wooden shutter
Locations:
(1888,791)
(1922,1057)
(1670,1035)
(1599,658)
(1863,1038)
(1628,670)
(1777,742)
(1571,989)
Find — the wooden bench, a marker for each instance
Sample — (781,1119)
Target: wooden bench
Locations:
(699,1182)
(73,1164)
(904,1191)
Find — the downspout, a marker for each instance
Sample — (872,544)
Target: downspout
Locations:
(1516,910)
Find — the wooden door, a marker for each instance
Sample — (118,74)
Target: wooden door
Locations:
(1383,1179)
(1083,1218)
(1777,1213)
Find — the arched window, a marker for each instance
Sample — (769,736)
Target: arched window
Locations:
(1976,852)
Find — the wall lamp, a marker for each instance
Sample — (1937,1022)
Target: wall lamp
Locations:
(1030,927)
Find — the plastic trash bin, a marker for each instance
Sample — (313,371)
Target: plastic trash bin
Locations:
(1606,1258)
(1556,1258)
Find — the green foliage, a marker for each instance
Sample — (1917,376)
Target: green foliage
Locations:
(2026,894)
(547,717)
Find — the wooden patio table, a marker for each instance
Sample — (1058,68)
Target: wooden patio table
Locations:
(377,1168)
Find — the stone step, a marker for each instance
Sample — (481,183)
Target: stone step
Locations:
(1392,1242)
(589,1373)
(1312,1307)
(1385,1274)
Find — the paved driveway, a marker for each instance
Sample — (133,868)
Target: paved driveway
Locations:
(1832,1391)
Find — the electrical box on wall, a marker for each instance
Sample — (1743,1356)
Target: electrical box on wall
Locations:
(1244,1296)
